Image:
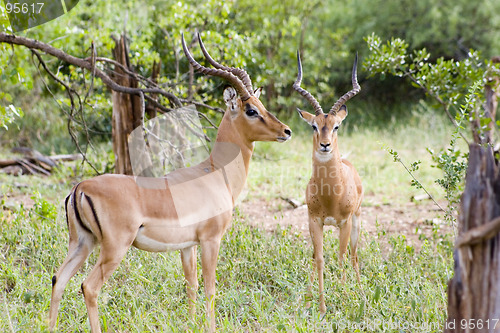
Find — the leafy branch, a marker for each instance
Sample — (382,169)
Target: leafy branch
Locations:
(455,86)
(445,81)
(411,169)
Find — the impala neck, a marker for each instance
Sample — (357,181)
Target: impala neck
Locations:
(328,170)
(232,152)
(230,134)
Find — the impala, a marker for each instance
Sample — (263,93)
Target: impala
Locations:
(334,193)
(186,208)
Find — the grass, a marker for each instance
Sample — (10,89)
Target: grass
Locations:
(262,278)
(261,283)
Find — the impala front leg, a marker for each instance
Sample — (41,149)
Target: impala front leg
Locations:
(355,231)
(316,231)
(344,236)
(188,257)
(209,253)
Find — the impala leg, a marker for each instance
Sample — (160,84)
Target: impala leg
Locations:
(188,257)
(355,231)
(109,259)
(79,251)
(209,253)
(316,231)
(344,235)
(312,277)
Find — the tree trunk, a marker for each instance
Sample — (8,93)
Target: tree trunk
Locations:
(127,110)
(473,292)
(491,91)
(473,295)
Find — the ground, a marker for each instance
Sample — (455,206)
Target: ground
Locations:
(412,219)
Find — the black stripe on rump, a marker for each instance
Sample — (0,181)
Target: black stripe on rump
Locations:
(77,213)
(66,209)
(91,204)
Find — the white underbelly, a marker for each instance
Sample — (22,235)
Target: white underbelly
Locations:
(329,220)
(148,244)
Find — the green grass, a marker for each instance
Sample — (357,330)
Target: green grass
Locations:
(262,278)
(262,281)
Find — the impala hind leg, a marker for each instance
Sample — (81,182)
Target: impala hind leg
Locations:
(188,257)
(355,231)
(78,253)
(209,253)
(316,231)
(109,258)
(344,235)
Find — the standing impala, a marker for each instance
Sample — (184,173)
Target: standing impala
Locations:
(334,193)
(187,207)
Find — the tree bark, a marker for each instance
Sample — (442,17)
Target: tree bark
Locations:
(152,110)
(473,295)
(473,292)
(127,109)
(491,91)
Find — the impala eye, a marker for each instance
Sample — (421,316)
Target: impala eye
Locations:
(314,128)
(336,128)
(251,112)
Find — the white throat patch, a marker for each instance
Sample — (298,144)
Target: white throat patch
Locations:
(323,158)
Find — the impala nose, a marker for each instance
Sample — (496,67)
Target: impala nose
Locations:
(287,135)
(325,147)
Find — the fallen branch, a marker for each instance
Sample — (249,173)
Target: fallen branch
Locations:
(294,203)
(6,163)
(32,168)
(66,157)
(33,162)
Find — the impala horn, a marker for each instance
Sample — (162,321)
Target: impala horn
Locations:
(356,88)
(306,94)
(235,76)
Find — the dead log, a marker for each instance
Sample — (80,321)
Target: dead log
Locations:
(32,168)
(33,162)
(6,163)
(35,157)
(13,170)
(66,157)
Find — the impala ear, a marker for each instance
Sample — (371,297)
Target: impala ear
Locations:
(257,92)
(306,116)
(342,113)
(231,99)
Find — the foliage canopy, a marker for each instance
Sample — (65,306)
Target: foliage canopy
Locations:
(261,36)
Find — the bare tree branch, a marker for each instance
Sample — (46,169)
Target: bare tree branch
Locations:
(70,92)
(83,63)
(108,77)
(190,101)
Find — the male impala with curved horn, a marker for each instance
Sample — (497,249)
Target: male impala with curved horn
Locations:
(334,193)
(187,207)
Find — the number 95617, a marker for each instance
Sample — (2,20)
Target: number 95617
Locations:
(24,8)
